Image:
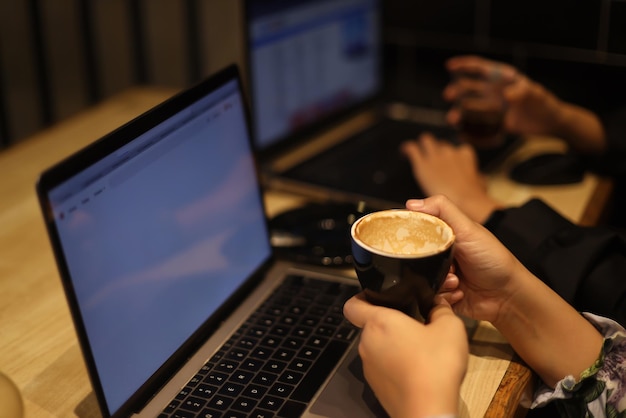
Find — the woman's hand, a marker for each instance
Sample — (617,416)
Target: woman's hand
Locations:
(486,269)
(452,170)
(531,109)
(553,339)
(415,370)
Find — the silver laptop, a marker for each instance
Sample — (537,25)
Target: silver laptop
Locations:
(316,69)
(180,307)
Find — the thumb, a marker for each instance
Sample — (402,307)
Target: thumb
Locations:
(442,309)
(517,90)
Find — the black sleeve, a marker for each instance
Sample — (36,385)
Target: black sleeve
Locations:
(612,162)
(585,265)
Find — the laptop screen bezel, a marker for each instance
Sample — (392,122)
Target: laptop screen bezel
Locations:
(84,158)
(293,139)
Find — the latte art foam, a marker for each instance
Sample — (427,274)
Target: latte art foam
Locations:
(403,233)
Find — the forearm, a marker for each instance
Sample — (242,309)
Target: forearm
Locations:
(580,128)
(603,388)
(550,335)
(439,405)
(478,207)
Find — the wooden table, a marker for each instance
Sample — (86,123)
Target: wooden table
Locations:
(38,346)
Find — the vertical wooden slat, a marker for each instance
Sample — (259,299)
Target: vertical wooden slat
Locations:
(221,33)
(4,133)
(63,47)
(21,90)
(90,51)
(41,62)
(616,31)
(193,41)
(165,43)
(604,26)
(113,38)
(138,41)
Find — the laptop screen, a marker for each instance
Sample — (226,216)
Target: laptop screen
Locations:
(159,234)
(309,59)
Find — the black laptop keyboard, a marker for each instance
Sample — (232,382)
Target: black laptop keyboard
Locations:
(276,361)
(369,163)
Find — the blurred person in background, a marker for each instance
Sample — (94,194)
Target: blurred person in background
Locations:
(586,266)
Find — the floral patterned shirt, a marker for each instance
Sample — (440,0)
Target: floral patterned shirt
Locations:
(601,389)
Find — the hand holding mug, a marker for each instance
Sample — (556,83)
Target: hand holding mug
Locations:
(401,257)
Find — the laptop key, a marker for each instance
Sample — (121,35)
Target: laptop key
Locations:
(206,368)
(210,413)
(281,389)
(261,353)
(280,330)
(316,341)
(220,402)
(274,366)
(244,404)
(271,342)
(259,413)
(292,409)
(237,354)
(265,379)
(333,320)
(284,354)
(241,377)
(293,343)
(216,378)
(310,321)
(271,402)
(290,377)
(195,380)
(205,391)
(247,342)
(325,331)
(320,371)
(231,389)
(255,391)
(299,364)
(302,332)
(346,333)
(226,366)
(193,404)
(308,353)
(252,364)
(171,407)
(183,393)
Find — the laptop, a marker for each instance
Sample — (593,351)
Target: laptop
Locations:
(180,306)
(315,75)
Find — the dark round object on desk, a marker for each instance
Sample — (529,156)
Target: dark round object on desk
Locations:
(318,233)
(549,169)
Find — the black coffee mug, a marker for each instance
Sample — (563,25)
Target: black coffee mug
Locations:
(401,258)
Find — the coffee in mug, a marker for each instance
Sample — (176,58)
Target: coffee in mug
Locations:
(401,257)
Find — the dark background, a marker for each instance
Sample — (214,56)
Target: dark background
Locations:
(58,57)
(575,48)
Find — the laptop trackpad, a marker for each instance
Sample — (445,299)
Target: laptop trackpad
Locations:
(348,395)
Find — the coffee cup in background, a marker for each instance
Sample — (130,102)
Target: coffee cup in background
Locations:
(481,106)
(401,257)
